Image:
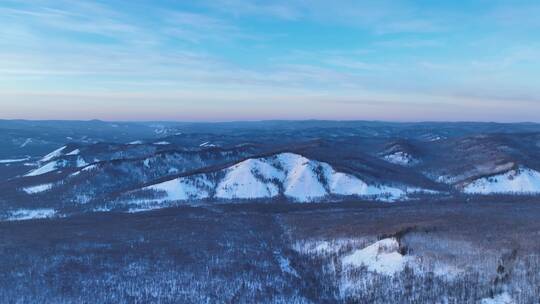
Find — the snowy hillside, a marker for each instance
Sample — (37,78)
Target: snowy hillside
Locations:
(522,180)
(288,174)
(80,155)
(56,153)
(400,158)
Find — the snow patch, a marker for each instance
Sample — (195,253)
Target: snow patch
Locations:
(382,257)
(89,168)
(136,142)
(74,152)
(26,142)
(503,298)
(207,144)
(182,189)
(416,190)
(400,158)
(81,162)
(285,265)
(29,214)
(38,188)
(162,143)
(145,207)
(17,160)
(327,247)
(101,209)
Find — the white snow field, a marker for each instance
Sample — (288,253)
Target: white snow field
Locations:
(522,181)
(74,152)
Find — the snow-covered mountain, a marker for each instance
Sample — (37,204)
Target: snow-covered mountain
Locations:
(519,181)
(286,174)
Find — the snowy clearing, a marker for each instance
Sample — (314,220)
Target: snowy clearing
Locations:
(382,257)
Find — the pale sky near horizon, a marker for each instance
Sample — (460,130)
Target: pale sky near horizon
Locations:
(218,60)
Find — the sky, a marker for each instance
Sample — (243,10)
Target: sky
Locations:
(223,60)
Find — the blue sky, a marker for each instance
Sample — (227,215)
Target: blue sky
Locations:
(219,60)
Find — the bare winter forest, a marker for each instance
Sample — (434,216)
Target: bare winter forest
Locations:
(456,252)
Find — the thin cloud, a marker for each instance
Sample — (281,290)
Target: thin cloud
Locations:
(354,54)
(197,28)
(239,8)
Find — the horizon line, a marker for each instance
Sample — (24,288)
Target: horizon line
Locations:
(273,120)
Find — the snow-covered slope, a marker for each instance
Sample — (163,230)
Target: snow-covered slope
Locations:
(48,167)
(184,189)
(58,164)
(288,174)
(59,159)
(53,154)
(74,152)
(250,179)
(521,180)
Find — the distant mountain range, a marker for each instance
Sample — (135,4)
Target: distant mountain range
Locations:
(87,166)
